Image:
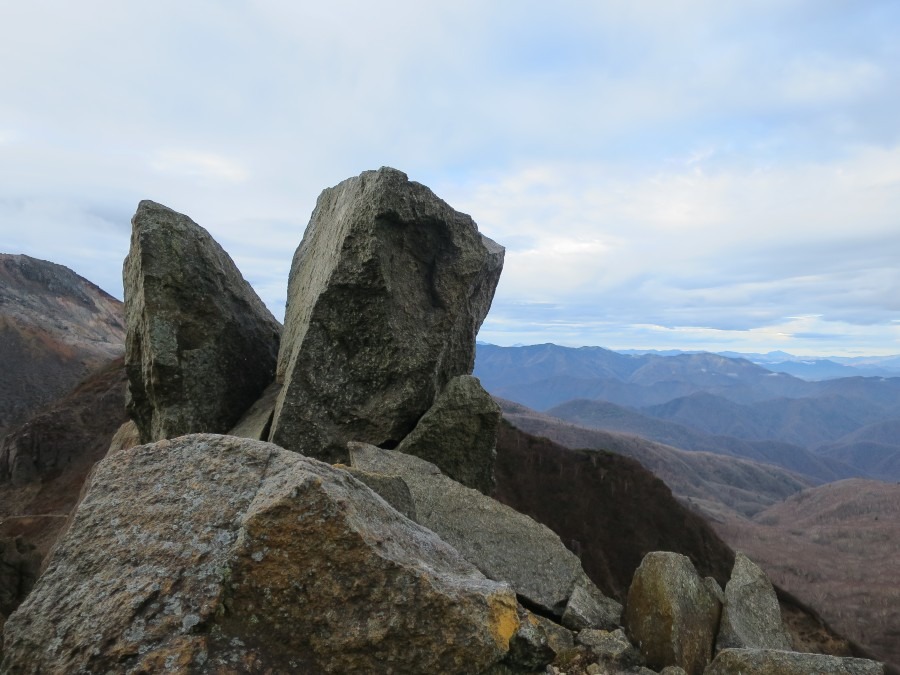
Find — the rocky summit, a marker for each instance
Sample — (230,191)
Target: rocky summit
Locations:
(210,552)
(386,294)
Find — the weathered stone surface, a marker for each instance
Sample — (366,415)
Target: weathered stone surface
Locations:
(612,648)
(209,554)
(459,434)
(386,294)
(257,421)
(529,648)
(559,638)
(200,345)
(589,608)
(504,544)
(751,617)
(126,436)
(392,489)
(777,662)
(670,614)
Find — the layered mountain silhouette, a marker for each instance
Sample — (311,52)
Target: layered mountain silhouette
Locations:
(825,430)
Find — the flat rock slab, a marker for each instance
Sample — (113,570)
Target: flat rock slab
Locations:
(200,346)
(209,554)
(775,662)
(385,297)
(501,542)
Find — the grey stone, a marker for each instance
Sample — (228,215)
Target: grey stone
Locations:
(459,434)
(257,421)
(529,648)
(589,608)
(126,436)
(751,616)
(386,294)
(778,662)
(559,638)
(610,647)
(670,613)
(210,554)
(200,345)
(392,489)
(674,670)
(503,543)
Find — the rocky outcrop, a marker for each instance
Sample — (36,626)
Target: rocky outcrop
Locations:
(458,434)
(217,554)
(56,328)
(386,294)
(504,544)
(200,345)
(777,662)
(670,614)
(751,617)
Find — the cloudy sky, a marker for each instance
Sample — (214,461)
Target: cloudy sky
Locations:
(689,174)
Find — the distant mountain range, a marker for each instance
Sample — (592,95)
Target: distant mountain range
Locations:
(825,430)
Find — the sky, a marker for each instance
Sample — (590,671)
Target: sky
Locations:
(664,175)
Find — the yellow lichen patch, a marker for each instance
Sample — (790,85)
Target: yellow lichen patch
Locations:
(504,619)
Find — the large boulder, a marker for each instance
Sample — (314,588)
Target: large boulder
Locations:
(210,554)
(751,617)
(778,662)
(385,297)
(670,613)
(504,544)
(200,345)
(459,434)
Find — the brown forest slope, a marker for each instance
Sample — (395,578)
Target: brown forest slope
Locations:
(716,485)
(55,328)
(836,547)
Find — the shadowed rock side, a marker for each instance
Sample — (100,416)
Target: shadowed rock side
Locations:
(211,554)
(200,346)
(55,329)
(606,508)
(386,294)
(459,434)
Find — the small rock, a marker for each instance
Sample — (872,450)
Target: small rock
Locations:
(611,647)
(751,616)
(257,421)
(670,613)
(589,608)
(392,489)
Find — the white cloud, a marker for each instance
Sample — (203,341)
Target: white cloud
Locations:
(199,165)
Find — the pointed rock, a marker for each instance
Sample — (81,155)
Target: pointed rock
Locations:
(504,544)
(751,617)
(386,294)
(212,554)
(670,613)
(458,434)
(200,345)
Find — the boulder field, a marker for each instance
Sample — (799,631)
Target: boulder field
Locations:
(316,499)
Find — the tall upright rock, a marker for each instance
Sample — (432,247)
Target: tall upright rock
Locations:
(386,294)
(200,345)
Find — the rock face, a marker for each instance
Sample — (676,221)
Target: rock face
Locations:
(19,566)
(670,613)
(210,554)
(55,329)
(751,617)
(459,434)
(200,345)
(386,294)
(775,662)
(504,544)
